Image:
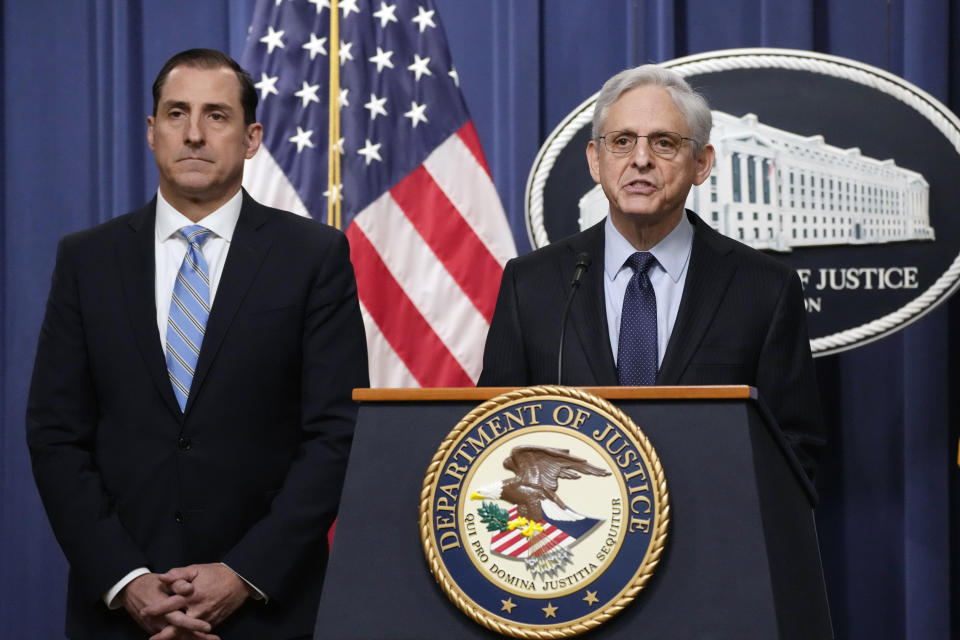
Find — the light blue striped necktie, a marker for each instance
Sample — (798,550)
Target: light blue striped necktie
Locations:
(189,310)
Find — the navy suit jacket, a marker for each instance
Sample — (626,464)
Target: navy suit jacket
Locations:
(741,321)
(250,473)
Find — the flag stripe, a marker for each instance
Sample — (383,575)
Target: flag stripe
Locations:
(267,182)
(472,192)
(391,372)
(452,240)
(401,323)
(468,134)
(425,281)
(514,544)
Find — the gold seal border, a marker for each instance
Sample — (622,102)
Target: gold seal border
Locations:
(658,534)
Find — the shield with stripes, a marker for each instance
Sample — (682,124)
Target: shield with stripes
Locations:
(543,546)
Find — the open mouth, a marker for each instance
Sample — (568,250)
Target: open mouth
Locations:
(640,186)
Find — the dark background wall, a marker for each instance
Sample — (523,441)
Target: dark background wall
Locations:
(73,99)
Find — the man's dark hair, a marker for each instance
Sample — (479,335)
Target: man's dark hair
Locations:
(210,59)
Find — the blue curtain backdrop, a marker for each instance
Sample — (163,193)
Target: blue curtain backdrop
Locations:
(74,97)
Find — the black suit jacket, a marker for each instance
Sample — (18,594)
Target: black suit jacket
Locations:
(250,473)
(741,321)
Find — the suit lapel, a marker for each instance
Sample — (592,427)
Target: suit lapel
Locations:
(137,255)
(247,251)
(588,312)
(707,280)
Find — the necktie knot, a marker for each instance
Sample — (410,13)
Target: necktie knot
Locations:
(641,261)
(195,234)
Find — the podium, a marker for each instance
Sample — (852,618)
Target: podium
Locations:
(741,558)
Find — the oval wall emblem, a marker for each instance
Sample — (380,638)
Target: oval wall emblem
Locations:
(544,512)
(842,170)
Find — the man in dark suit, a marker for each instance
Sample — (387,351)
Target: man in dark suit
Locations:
(190,417)
(696,307)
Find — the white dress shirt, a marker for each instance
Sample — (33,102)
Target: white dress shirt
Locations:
(170,248)
(667,277)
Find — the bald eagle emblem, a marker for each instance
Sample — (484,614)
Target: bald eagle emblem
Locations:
(538,527)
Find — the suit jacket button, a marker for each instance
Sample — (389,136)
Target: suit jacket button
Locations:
(178,516)
(184,444)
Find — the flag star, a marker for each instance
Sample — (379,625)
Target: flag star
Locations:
(345,52)
(423,19)
(385,14)
(382,59)
(456,76)
(337,192)
(338,147)
(376,106)
(308,93)
(267,85)
(273,39)
(279,2)
(419,66)
(342,100)
(315,46)
(416,114)
(371,152)
(320,4)
(302,139)
(549,611)
(347,6)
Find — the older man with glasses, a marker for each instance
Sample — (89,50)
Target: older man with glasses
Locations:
(668,300)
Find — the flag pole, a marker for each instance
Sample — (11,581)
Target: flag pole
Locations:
(333,121)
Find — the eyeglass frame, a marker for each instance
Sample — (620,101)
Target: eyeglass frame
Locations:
(637,137)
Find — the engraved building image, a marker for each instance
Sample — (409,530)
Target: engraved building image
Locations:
(773,189)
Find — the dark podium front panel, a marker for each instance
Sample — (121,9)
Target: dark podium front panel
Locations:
(741,558)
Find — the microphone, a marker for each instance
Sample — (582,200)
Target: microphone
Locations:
(583,263)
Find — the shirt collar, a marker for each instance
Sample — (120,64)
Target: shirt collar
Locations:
(672,252)
(221,222)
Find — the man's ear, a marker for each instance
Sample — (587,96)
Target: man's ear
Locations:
(254,138)
(704,164)
(150,123)
(593,160)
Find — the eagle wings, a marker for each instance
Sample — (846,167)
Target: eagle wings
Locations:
(533,488)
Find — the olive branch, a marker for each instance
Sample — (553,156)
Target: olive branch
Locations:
(496,518)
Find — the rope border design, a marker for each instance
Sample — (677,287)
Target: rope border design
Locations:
(658,536)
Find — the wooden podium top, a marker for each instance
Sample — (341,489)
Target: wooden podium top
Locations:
(475,394)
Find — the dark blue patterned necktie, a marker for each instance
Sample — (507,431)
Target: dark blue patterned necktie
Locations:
(637,360)
(189,310)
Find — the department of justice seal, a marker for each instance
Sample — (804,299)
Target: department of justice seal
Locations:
(544,512)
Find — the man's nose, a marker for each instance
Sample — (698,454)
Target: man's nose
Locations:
(194,132)
(641,154)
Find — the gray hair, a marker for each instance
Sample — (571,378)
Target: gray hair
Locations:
(691,104)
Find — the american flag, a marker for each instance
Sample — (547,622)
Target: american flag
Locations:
(427,232)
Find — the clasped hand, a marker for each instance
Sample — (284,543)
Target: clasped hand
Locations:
(185,602)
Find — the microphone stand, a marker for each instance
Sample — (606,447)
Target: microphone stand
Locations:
(583,263)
